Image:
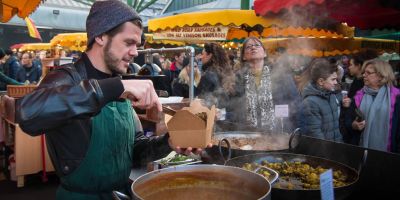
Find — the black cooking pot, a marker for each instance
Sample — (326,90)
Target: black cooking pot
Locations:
(300,194)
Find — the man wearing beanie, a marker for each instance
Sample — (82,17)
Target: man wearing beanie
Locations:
(85,110)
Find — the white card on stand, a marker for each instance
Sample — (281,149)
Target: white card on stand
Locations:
(281,111)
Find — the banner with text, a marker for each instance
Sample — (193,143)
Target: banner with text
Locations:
(194,33)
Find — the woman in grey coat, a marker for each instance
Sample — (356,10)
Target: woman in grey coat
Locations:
(321,105)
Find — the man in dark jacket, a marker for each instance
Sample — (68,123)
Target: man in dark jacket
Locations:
(29,71)
(4,79)
(85,110)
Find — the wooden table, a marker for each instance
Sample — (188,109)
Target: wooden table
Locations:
(27,149)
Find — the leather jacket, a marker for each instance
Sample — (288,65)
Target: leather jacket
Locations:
(61,108)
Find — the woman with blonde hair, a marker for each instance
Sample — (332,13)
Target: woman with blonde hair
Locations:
(376,102)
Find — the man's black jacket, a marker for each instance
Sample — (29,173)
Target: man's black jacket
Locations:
(62,107)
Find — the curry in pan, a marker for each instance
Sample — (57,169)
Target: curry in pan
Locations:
(298,175)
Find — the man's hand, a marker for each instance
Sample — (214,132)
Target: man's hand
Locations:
(141,93)
(346,102)
(187,151)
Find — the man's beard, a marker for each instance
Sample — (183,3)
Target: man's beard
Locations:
(111,60)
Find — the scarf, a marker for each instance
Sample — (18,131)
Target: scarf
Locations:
(260,108)
(375,105)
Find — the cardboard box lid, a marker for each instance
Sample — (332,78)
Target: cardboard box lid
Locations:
(186,118)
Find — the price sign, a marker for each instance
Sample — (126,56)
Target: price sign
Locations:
(326,183)
(281,111)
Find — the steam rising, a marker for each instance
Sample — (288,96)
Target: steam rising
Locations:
(284,89)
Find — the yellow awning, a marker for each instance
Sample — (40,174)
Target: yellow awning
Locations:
(72,41)
(35,46)
(300,32)
(22,8)
(240,23)
(219,17)
(318,47)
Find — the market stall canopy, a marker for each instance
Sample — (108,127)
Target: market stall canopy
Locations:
(363,14)
(72,41)
(16,46)
(231,25)
(217,25)
(35,46)
(21,8)
(212,18)
(320,47)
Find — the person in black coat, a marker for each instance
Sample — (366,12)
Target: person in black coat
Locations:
(29,71)
(218,80)
(180,86)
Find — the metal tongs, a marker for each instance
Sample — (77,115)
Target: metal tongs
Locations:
(168,110)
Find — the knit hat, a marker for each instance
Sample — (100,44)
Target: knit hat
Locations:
(106,15)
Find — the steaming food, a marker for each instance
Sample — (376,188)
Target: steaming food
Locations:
(197,186)
(264,142)
(298,175)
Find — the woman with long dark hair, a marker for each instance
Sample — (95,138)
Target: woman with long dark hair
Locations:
(218,80)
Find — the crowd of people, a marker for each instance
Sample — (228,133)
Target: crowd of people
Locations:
(25,67)
(325,96)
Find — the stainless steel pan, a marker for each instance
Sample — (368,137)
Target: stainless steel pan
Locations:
(198,182)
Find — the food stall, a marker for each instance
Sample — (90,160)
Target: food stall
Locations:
(224,25)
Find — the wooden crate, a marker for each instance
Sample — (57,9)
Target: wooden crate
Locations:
(18,91)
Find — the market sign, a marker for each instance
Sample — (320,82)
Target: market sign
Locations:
(193,33)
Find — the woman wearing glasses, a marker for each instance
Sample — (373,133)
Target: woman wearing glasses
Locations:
(253,97)
(376,101)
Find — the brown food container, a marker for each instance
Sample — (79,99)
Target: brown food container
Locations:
(188,130)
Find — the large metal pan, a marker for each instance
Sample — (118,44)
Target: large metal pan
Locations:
(198,182)
(279,193)
(238,143)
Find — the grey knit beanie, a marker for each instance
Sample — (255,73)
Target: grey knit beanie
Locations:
(106,15)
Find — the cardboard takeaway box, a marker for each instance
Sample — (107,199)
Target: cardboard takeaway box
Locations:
(188,130)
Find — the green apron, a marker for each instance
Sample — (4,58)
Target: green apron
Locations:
(108,161)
